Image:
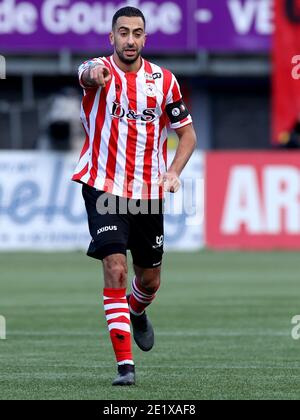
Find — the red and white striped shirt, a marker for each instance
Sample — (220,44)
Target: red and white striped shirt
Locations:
(126,123)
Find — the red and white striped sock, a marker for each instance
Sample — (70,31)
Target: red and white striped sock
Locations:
(118,320)
(139,299)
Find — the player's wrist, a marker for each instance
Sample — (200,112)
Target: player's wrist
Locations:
(174,171)
(86,78)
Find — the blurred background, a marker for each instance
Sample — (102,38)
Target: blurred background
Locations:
(239,73)
(238,65)
(220,50)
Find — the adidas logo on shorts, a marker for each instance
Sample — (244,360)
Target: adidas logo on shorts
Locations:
(106,229)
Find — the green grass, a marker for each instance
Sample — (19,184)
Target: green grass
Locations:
(222,322)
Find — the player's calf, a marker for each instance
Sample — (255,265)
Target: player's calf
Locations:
(118,316)
(141,297)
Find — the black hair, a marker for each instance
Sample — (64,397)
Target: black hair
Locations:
(128,12)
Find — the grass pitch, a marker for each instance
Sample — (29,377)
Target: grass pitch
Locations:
(222,322)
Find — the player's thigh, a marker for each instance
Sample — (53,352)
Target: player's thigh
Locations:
(109,231)
(147,240)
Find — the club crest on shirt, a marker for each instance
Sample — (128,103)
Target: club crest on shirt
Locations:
(151,90)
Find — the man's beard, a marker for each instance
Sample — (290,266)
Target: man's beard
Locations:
(128,61)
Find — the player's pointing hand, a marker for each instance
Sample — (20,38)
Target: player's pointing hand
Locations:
(101,75)
(170,182)
(97,76)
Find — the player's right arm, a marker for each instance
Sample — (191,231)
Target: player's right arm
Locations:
(94,74)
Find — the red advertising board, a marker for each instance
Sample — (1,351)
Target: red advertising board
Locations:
(253,200)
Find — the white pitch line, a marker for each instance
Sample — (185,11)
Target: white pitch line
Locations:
(145,367)
(157,333)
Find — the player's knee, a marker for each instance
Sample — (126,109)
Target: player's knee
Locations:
(151,283)
(115,272)
(152,289)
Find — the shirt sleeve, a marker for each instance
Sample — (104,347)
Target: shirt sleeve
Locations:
(84,66)
(176,109)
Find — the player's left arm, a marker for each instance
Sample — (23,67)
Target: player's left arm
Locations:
(187,144)
(181,121)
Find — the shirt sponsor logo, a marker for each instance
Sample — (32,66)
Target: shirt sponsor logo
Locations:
(147,115)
